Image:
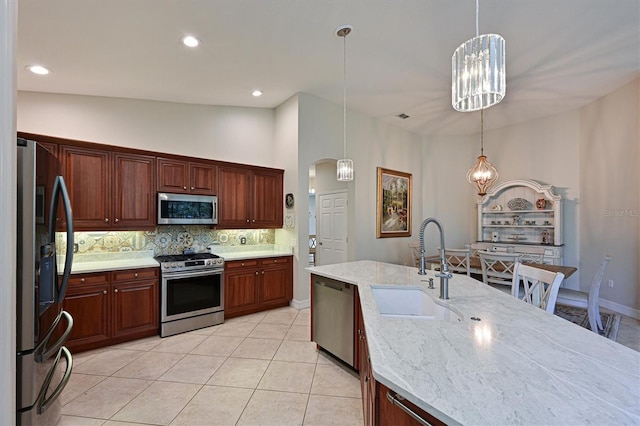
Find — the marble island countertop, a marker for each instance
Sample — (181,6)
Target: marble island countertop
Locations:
(517,365)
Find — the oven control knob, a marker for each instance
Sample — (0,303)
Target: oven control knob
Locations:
(173,264)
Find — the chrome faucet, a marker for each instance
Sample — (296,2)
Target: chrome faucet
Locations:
(444,274)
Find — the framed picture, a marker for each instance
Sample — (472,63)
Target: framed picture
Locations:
(393,204)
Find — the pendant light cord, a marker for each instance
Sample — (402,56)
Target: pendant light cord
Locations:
(477,13)
(482,132)
(344,94)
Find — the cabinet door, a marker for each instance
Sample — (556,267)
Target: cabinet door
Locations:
(134,191)
(88,304)
(241,292)
(233,197)
(87,173)
(266,197)
(135,309)
(203,179)
(173,175)
(275,283)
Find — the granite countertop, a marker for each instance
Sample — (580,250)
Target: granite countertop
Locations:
(83,264)
(249,252)
(518,365)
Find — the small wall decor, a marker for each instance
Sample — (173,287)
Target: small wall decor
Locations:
(541,203)
(393,210)
(289,201)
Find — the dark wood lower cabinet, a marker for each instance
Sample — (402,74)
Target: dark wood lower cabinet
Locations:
(112,307)
(255,285)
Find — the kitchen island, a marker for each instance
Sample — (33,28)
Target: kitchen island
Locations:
(517,365)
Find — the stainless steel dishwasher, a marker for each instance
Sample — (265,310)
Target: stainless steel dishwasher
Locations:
(332,322)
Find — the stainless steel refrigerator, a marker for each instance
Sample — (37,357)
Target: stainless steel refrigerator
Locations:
(43,362)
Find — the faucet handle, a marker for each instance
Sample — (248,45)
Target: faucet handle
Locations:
(445,275)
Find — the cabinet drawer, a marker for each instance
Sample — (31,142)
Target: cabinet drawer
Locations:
(135,274)
(84,279)
(275,260)
(235,264)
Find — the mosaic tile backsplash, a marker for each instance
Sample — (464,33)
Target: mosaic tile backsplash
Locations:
(163,240)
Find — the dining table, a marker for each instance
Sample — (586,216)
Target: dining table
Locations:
(475,266)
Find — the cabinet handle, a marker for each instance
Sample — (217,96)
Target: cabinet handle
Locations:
(135,275)
(275,261)
(366,379)
(104,291)
(247,220)
(106,220)
(115,291)
(117,220)
(184,187)
(192,188)
(242,264)
(82,280)
(256,272)
(253,220)
(262,272)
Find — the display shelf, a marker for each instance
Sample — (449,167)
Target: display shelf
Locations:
(533,226)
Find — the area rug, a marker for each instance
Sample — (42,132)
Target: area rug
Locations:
(610,321)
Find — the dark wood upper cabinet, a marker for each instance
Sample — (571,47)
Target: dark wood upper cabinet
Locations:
(109,190)
(188,177)
(250,197)
(135,198)
(87,173)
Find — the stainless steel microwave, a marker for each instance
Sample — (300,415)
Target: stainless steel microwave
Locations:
(185,209)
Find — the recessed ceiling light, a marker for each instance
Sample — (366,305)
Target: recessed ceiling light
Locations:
(190,41)
(38,69)
(257,93)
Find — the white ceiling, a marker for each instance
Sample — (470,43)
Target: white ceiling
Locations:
(561,54)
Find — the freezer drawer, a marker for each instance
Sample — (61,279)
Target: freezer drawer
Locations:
(332,312)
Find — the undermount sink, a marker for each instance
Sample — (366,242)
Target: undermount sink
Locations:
(411,302)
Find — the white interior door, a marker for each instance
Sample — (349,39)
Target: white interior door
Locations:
(331,228)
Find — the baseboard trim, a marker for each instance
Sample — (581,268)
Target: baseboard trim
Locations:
(301,304)
(621,309)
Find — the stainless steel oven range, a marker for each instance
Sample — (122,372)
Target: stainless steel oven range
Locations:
(192,294)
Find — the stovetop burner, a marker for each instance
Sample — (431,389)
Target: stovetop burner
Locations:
(184,257)
(189,262)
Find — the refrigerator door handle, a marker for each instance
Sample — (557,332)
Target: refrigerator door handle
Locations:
(41,352)
(60,188)
(42,403)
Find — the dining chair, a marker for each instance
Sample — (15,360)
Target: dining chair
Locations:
(415,253)
(458,260)
(531,254)
(498,271)
(590,300)
(540,286)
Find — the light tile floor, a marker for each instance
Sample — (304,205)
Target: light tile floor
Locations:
(257,369)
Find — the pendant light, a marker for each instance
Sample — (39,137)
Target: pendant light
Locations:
(478,77)
(483,175)
(344,167)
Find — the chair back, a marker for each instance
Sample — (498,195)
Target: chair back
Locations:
(540,286)
(594,290)
(458,260)
(415,253)
(498,268)
(531,254)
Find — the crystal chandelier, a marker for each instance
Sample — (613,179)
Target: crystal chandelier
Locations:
(344,167)
(478,78)
(483,175)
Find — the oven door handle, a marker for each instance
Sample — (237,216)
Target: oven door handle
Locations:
(189,274)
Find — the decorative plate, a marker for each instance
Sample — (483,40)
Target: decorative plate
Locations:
(518,204)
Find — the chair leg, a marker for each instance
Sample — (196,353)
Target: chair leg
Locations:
(594,319)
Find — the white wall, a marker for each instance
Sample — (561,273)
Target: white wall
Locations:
(235,134)
(8,23)
(610,194)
